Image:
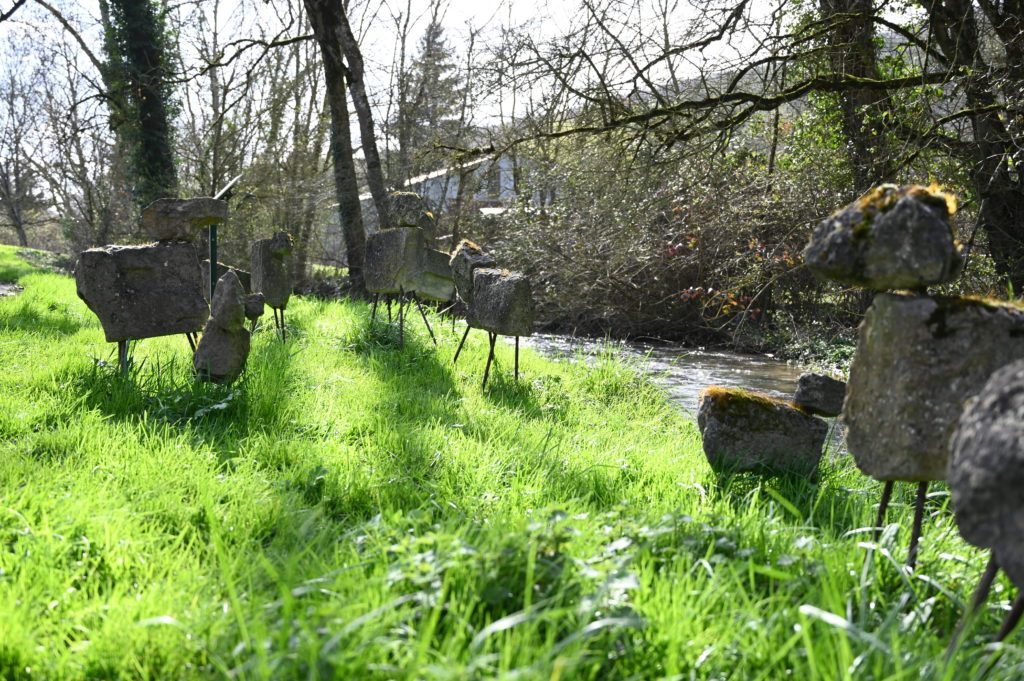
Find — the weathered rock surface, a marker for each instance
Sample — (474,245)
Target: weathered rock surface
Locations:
(228,307)
(408,209)
(180,219)
(819,394)
(436,283)
(467,257)
(143,291)
(892,238)
(243,276)
(254,306)
(502,302)
(918,359)
(272,269)
(986,469)
(224,346)
(745,432)
(394,259)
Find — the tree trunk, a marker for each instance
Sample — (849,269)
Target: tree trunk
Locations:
(325,18)
(1000,194)
(853,52)
(144,74)
(374,172)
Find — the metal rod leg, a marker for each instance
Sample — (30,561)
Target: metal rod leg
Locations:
(883,505)
(490,356)
(122,356)
(284,331)
(191,342)
(915,535)
(401,318)
(425,321)
(389,308)
(461,343)
(517,358)
(373,315)
(1016,610)
(977,600)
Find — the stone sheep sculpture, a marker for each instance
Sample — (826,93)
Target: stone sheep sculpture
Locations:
(272,274)
(918,356)
(986,476)
(156,289)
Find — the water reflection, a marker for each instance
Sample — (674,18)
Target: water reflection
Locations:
(684,372)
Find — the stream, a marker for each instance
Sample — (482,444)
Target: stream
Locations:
(684,372)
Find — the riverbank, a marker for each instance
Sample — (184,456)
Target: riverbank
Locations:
(350,508)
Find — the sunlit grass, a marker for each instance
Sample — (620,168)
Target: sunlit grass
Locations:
(350,509)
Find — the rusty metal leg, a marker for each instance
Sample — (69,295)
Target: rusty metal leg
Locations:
(883,506)
(915,534)
(373,314)
(461,343)
(490,356)
(389,308)
(517,358)
(284,331)
(425,321)
(191,342)
(122,356)
(977,600)
(1016,610)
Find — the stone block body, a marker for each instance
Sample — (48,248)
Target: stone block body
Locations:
(272,269)
(394,260)
(918,359)
(746,432)
(467,257)
(436,283)
(821,395)
(502,302)
(143,291)
(181,219)
(986,470)
(224,346)
(893,238)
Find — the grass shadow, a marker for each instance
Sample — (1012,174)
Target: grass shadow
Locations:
(20,314)
(166,392)
(504,390)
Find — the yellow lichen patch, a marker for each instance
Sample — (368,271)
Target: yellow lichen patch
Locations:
(879,199)
(934,195)
(722,396)
(884,196)
(466,243)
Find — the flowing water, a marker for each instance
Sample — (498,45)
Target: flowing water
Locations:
(684,372)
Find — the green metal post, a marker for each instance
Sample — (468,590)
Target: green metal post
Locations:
(213,259)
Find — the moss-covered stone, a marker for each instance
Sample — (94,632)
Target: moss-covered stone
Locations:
(918,359)
(502,302)
(891,238)
(986,469)
(467,257)
(750,432)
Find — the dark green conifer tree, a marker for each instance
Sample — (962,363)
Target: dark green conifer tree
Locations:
(137,48)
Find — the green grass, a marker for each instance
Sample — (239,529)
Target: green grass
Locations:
(352,510)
